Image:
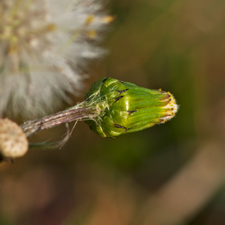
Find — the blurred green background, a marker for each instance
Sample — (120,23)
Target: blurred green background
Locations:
(175,45)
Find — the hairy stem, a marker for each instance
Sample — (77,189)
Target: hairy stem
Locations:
(79,112)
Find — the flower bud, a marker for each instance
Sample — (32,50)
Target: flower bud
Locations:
(124,107)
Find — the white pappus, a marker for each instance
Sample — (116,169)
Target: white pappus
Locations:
(43,46)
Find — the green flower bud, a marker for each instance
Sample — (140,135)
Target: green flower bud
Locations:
(124,107)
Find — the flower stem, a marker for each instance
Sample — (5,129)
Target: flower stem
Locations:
(79,112)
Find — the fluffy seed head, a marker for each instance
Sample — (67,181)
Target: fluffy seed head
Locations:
(43,46)
(13,141)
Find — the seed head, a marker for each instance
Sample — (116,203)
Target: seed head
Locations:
(13,141)
(43,46)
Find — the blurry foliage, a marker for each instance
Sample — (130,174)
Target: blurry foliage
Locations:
(176,45)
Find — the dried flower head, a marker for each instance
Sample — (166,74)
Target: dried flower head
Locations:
(43,46)
(13,141)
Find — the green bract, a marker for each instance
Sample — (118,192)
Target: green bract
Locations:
(124,107)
